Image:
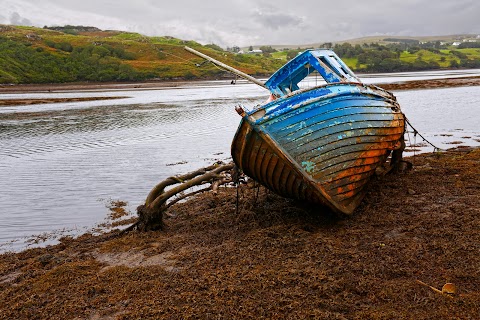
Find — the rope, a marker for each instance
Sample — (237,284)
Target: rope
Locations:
(237,211)
(206,61)
(236,180)
(415,144)
(415,132)
(149,41)
(232,82)
(173,55)
(410,143)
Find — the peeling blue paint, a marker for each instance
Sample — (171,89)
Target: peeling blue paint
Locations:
(308,166)
(324,142)
(326,62)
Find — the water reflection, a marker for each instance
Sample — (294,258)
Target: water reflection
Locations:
(447,117)
(60,163)
(57,168)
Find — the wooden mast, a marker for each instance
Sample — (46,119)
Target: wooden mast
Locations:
(228,68)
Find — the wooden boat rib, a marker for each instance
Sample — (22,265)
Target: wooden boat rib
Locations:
(321,144)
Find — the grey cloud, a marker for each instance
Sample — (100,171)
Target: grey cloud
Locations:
(17,20)
(255,22)
(277,21)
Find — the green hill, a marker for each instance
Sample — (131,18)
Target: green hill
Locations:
(78,54)
(383,40)
(35,55)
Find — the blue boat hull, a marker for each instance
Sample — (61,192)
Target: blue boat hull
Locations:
(320,145)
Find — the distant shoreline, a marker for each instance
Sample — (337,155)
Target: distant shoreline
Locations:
(81,86)
(16,102)
(99,86)
(432,83)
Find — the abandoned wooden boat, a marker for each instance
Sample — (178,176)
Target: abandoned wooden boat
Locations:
(320,144)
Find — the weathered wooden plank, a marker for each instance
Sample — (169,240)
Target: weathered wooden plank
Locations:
(322,144)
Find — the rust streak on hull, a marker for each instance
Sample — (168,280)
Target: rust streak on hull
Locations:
(326,164)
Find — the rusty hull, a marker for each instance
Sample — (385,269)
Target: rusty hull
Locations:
(320,145)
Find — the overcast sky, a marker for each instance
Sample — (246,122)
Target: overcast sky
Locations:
(253,22)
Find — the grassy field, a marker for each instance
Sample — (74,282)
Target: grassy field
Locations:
(36,55)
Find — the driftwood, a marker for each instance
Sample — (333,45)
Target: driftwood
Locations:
(448,289)
(150,214)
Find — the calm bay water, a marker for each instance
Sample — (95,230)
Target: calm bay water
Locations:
(60,164)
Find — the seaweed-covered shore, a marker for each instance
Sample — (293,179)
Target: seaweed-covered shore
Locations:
(275,258)
(106,86)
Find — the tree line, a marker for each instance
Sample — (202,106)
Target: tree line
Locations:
(21,63)
(49,61)
(388,58)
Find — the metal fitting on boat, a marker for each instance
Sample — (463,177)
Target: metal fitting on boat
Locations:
(240,110)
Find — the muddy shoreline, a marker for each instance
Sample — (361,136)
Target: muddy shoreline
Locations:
(99,87)
(16,102)
(66,87)
(87,86)
(432,84)
(276,258)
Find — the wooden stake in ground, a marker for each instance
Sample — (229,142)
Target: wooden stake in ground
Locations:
(150,214)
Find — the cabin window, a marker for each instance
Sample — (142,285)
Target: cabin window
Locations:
(314,79)
(311,69)
(336,66)
(340,65)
